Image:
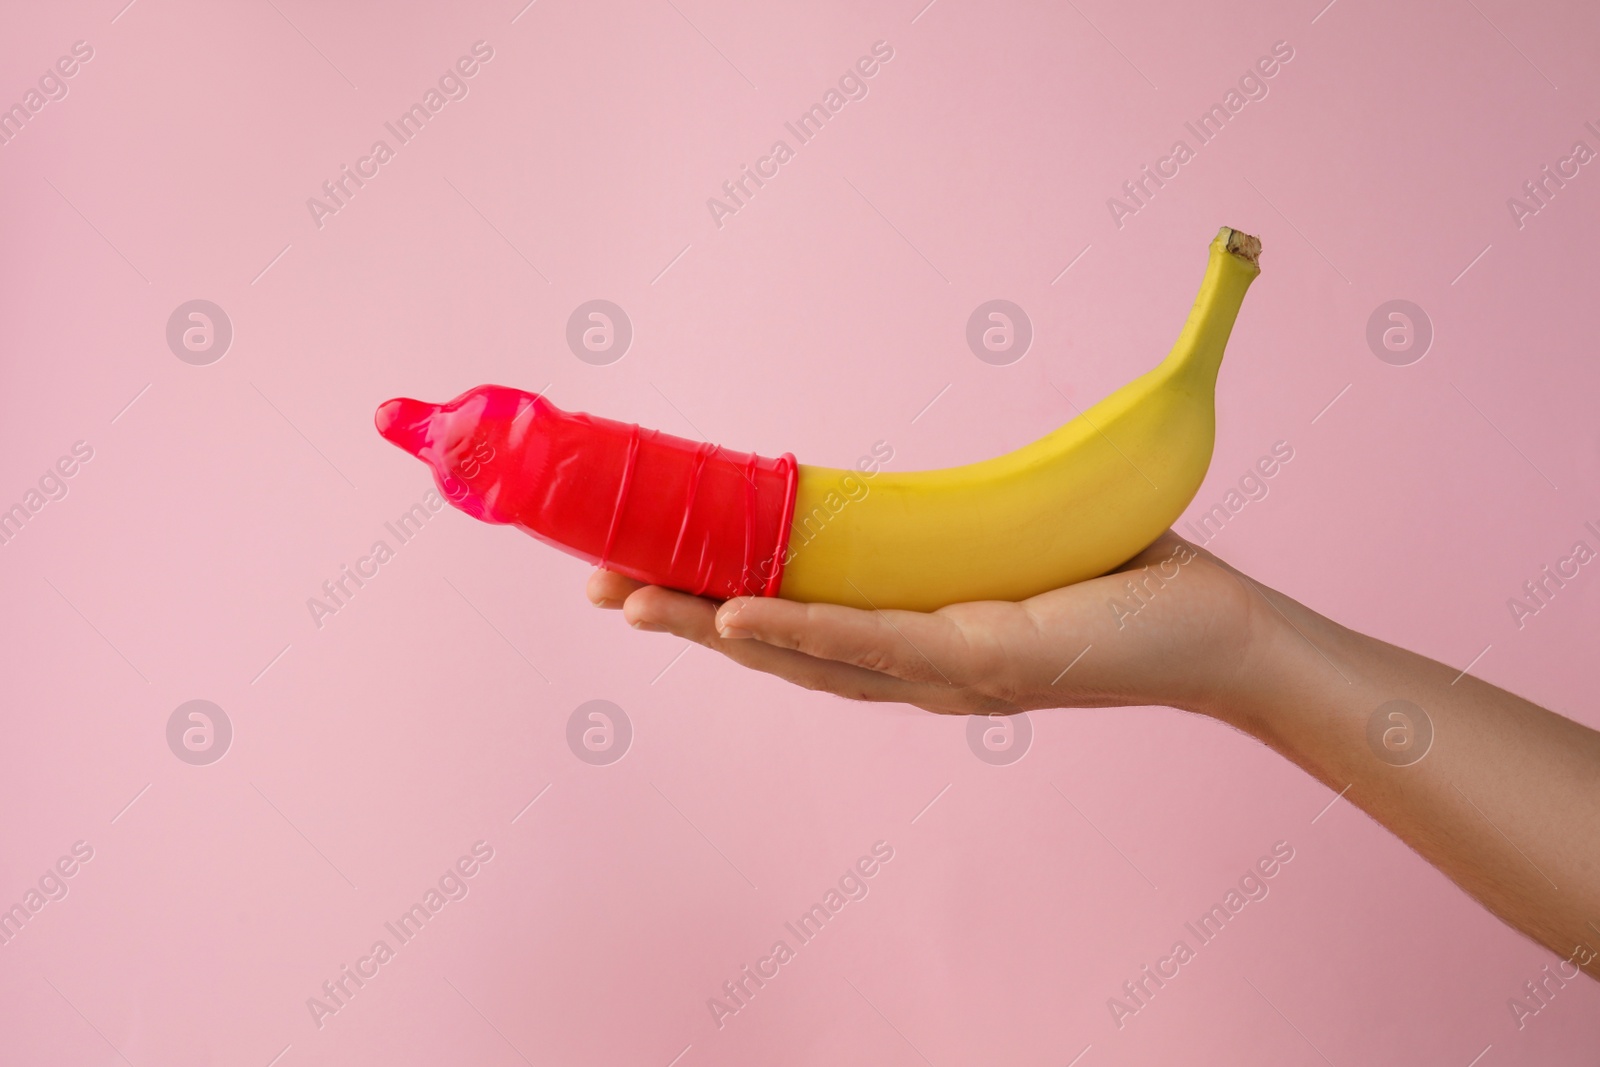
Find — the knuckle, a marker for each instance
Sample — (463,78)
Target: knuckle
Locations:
(876,659)
(779,638)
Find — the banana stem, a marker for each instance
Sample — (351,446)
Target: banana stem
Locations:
(1234,264)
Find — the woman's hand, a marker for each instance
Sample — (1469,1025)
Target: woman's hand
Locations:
(1173,626)
(1496,792)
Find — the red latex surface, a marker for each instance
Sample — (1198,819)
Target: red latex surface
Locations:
(662,509)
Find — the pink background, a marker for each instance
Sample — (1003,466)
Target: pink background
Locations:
(371,753)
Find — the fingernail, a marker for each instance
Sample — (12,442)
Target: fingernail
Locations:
(649,627)
(733,633)
(606,602)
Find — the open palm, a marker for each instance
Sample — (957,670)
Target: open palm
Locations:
(1171,626)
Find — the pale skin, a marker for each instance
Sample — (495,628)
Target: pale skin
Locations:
(1505,801)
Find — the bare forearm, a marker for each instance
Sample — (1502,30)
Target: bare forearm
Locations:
(1501,795)
(1504,797)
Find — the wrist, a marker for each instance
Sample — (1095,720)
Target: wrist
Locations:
(1281,647)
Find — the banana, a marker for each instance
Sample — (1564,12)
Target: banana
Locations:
(1072,505)
(697,517)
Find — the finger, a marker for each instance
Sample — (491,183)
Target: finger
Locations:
(653,607)
(906,644)
(608,589)
(694,619)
